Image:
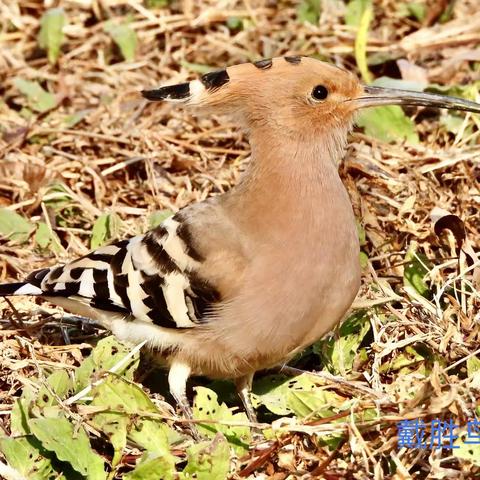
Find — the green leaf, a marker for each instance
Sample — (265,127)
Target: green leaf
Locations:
(363,260)
(46,404)
(273,391)
(50,37)
(70,445)
(126,403)
(405,362)
(23,454)
(75,118)
(59,384)
(309,11)
(417,10)
(46,238)
(355,9)
(114,426)
(152,467)
(157,217)
(338,352)
(234,23)
(57,196)
(388,124)
(124,37)
(473,366)
(415,270)
(20,415)
(14,227)
(299,395)
(26,453)
(104,229)
(38,99)
(208,460)
(206,406)
(108,352)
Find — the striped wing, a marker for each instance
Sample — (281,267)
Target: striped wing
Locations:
(151,277)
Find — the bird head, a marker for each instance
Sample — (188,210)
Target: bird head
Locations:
(295,96)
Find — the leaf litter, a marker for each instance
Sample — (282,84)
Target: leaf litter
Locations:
(84,160)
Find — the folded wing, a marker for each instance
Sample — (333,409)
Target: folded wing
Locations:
(152,278)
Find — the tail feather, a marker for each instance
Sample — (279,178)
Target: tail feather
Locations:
(19,288)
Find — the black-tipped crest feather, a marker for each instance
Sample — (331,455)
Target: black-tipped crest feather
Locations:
(214,80)
(180,91)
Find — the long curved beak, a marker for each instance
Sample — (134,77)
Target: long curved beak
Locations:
(375,96)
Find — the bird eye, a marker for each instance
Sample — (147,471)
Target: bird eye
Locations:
(320,92)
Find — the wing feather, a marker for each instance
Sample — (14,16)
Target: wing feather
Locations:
(152,278)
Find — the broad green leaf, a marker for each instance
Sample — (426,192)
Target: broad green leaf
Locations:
(152,467)
(363,260)
(69,444)
(59,385)
(108,352)
(157,217)
(42,235)
(114,426)
(473,366)
(300,395)
(104,229)
(50,37)
(206,406)
(338,352)
(406,362)
(309,11)
(126,402)
(14,227)
(57,196)
(273,391)
(24,455)
(45,238)
(417,9)
(208,460)
(388,124)
(355,9)
(38,99)
(321,403)
(19,417)
(124,37)
(415,271)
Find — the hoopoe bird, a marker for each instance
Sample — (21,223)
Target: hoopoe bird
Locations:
(242,281)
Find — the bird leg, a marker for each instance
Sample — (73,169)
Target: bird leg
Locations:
(244,387)
(177,382)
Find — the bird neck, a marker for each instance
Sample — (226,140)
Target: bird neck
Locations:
(290,181)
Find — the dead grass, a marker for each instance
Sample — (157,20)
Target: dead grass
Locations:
(131,158)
